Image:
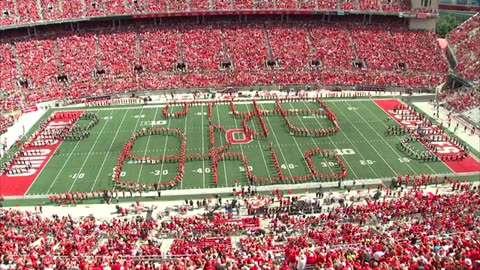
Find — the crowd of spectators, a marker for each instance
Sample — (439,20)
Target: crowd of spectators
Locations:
(461,99)
(32,11)
(465,42)
(401,229)
(79,64)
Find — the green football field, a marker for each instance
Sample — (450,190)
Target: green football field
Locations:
(87,165)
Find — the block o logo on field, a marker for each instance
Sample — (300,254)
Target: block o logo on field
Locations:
(237,136)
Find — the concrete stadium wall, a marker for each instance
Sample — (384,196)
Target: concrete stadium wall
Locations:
(422,24)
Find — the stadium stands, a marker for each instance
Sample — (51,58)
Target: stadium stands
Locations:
(219,54)
(409,229)
(465,42)
(462,99)
(33,11)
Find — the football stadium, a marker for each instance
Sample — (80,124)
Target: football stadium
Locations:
(238,134)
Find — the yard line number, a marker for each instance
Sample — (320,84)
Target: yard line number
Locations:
(364,162)
(200,170)
(77,175)
(160,172)
(288,166)
(328,164)
(153,123)
(242,169)
(343,152)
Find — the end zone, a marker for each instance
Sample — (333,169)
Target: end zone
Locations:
(469,164)
(35,154)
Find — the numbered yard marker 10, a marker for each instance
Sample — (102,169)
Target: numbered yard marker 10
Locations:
(288,166)
(343,152)
(78,176)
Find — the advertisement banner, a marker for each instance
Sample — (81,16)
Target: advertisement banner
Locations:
(30,109)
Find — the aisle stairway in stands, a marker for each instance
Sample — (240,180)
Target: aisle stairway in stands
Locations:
(270,54)
(39,9)
(354,47)
(17,61)
(57,57)
(138,49)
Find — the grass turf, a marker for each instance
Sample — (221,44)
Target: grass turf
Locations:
(87,165)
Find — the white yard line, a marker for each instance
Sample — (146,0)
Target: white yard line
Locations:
(383,123)
(203,147)
(281,151)
(63,166)
(164,151)
(259,146)
(146,147)
(184,133)
(108,152)
(373,147)
(221,143)
(88,155)
(314,142)
(356,151)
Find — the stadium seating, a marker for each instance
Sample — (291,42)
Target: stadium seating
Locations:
(462,99)
(465,43)
(33,11)
(411,228)
(219,54)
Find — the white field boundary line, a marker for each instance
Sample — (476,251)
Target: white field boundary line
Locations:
(236,101)
(356,149)
(258,143)
(136,125)
(108,152)
(379,135)
(88,155)
(221,143)
(281,151)
(146,148)
(203,147)
(41,169)
(361,134)
(165,150)
(314,142)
